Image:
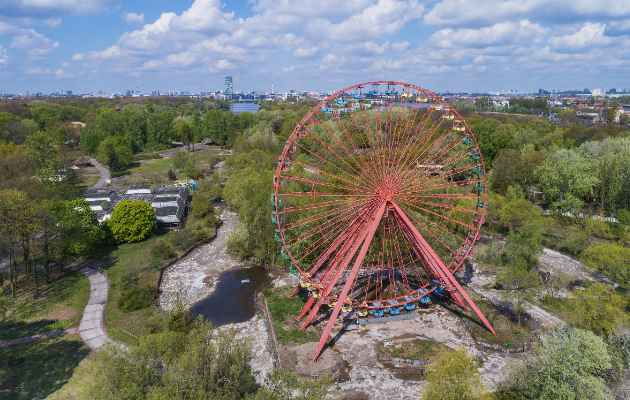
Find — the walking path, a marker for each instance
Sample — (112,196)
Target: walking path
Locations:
(104,173)
(91,328)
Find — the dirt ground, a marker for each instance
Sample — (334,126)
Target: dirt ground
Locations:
(193,278)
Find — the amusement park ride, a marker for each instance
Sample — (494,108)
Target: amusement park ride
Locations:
(378,207)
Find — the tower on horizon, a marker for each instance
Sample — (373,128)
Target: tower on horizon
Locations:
(228,89)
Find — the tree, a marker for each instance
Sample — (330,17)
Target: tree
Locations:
(598,309)
(18,221)
(91,139)
(566,178)
(199,364)
(41,148)
(610,259)
(453,374)
(179,159)
(523,245)
(519,286)
(507,170)
(185,131)
(568,364)
(518,212)
(132,221)
(115,152)
(160,129)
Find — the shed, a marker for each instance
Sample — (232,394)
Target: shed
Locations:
(173,191)
(139,189)
(83,161)
(174,201)
(168,217)
(101,195)
(99,205)
(207,142)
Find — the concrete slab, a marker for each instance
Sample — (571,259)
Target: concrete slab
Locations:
(94,307)
(88,316)
(96,342)
(91,324)
(98,279)
(98,286)
(97,300)
(98,293)
(91,333)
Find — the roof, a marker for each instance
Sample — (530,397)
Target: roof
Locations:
(139,187)
(83,160)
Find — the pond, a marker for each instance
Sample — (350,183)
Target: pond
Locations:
(232,300)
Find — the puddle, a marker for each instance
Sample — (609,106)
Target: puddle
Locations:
(233,298)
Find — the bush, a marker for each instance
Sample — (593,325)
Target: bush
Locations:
(179,319)
(136,298)
(128,280)
(117,174)
(151,327)
(213,220)
(163,251)
(184,239)
(171,175)
(610,259)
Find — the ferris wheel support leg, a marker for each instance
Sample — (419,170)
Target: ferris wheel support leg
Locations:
(307,306)
(350,280)
(427,252)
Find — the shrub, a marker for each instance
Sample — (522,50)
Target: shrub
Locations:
(128,280)
(163,251)
(179,319)
(171,175)
(117,174)
(150,327)
(136,298)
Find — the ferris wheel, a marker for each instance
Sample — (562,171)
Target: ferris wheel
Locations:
(379,196)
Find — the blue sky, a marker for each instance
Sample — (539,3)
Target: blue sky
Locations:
(454,45)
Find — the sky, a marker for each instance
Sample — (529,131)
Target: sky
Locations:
(320,45)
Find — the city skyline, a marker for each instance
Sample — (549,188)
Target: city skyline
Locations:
(448,45)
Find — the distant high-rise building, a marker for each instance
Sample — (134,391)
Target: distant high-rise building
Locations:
(228,88)
(69,93)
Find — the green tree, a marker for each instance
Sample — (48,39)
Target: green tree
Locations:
(507,170)
(598,309)
(517,212)
(91,139)
(115,152)
(520,285)
(42,148)
(199,364)
(568,364)
(566,178)
(453,375)
(179,159)
(132,221)
(185,131)
(610,259)
(160,129)
(523,245)
(18,220)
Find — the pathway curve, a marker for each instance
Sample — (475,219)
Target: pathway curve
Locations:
(104,174)
(91,328)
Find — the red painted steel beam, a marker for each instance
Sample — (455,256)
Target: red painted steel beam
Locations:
(429,254)
(350,280)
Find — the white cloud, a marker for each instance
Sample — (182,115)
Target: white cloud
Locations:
(224,64)
(37,71)
(60,74)
(37,45)
(77,57)
(132,18)
(45,9)
(504,33)
(588,36)
(456,13)
(151,64)
(302,52)
(4,55)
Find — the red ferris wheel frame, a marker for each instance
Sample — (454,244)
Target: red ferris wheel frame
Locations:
(361,190)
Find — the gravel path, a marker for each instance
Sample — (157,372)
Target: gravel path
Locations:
(48,335)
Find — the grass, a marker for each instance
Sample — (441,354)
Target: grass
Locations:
(136,259)
(508,330)
(417,349)
(205,159)
(59,305)
(90,181)
(284,310)
(35,370)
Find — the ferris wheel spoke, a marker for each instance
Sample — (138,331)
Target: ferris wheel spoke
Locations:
(311,206)
(320,183)
(437,226)
(322,160)
(326,213)
(416,207)
(332,176)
